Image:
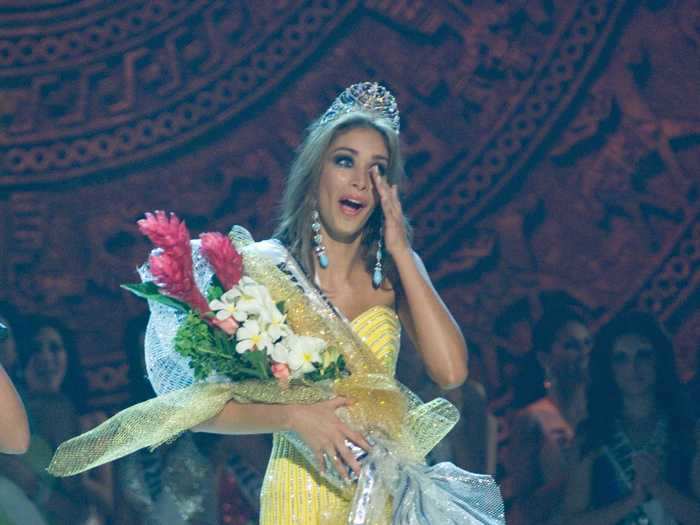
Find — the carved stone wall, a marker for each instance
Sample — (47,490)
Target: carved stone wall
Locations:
(552,148)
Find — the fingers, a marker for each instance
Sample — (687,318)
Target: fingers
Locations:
(329,454)
(397,200)
(349,460)
(347,453)
(334,455)
(330,447)
(319,460)
(381,187)
(358,439)
(338,402)
(388,195)
(638,492)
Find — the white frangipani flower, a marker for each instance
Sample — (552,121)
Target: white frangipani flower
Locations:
(253,297)
(304,351)
(227,306)
(251,336)
(280,352)
(276,322)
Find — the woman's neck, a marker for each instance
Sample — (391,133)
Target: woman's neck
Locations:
(571,401)
(343,259)
(639,407)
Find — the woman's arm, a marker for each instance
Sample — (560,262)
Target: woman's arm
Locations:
(577,499)
(14,428)
(536,468)
(429,324)
(685,508)
(317,424)
(423,314)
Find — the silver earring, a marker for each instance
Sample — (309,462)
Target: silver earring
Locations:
(377,276)
(319,248)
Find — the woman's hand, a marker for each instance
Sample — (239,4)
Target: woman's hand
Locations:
(395,238)
(325,433)
(638,495)
(647,469)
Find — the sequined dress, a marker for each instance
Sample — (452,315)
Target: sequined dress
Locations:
(293,493)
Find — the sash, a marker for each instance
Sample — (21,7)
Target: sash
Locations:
(619,453)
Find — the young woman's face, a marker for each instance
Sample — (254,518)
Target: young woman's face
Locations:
(570,352)
(47,363)
(634,364)
(347,196)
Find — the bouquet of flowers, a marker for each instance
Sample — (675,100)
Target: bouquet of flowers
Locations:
(237,330)
(240,324)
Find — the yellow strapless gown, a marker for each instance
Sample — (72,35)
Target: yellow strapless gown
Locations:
(292,493)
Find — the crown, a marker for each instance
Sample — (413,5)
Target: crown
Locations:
(364,96)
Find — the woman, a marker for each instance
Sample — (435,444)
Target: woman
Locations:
(177,483)
(542,433)
(14,433)
(174,484)
(341,219)
(342,263)
(639,451)
(53,385)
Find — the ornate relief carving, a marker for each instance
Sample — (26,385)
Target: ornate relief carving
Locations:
(549,145)
(178,81)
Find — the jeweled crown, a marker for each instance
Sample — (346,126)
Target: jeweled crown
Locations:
(364,96)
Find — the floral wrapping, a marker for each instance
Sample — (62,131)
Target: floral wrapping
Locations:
(403,428)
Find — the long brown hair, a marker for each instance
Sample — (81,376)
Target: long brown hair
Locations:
(605,400)
(301,193)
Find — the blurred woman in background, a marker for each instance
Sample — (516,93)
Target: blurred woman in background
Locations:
(53,387)
(639,459)
(542,433)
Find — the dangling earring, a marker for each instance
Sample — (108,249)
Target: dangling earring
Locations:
(319,248)
(377,276)
(547,384)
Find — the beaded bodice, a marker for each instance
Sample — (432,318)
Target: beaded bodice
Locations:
(379,328)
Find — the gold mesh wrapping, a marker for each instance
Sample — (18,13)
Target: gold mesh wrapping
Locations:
(379,401)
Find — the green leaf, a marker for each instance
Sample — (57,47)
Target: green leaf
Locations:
(149,290)
(259,362)
(282,306)
(334,370)
(211,351)
(215,290)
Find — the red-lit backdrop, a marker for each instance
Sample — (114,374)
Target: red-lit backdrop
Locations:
(552,150)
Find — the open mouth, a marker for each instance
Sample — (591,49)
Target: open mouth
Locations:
(351,206)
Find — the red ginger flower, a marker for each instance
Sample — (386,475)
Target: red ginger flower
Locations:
(223,257)
(168,233)
(176,280)
(172,268)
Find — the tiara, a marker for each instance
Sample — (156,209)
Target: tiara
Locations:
(364,96)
